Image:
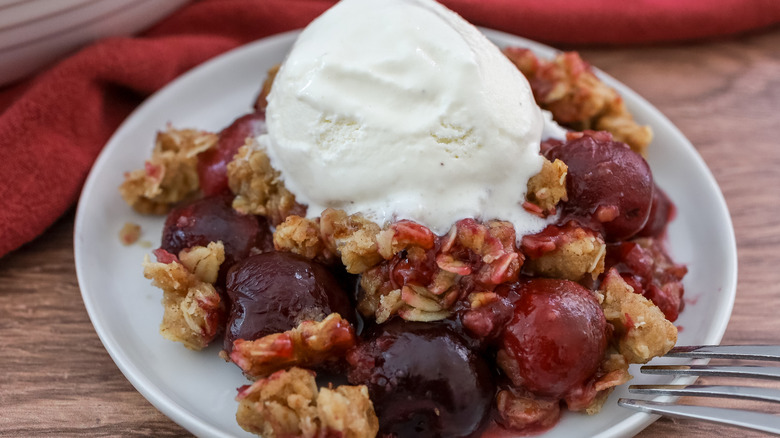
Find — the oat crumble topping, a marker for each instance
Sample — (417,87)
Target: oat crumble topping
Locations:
(644,331)
(567,87)
(170,175)
(258,186)
(194,310)
(288,404)
(310,344)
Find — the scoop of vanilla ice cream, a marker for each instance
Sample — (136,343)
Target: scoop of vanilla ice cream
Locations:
(400,109)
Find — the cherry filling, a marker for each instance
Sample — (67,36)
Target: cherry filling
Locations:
(423,380)
(543,338)
(645,266)
(556,339)
(609,186)
(212,164)
(212,219)
(274,291)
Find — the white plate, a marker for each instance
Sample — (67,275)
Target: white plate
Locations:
(197,390)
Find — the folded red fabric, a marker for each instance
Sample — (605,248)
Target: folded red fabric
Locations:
(53,126)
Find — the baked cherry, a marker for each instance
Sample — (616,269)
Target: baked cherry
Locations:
(609,186)
(661,212)
(212,219)
(556,339)
(212,164)
(486,322)
(423,380)
(275,291)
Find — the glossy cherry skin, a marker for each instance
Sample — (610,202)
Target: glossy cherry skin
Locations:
(212,164)
(212,219)
(275,291)
(609,186)
(423,380)
(557,337)
(661,212)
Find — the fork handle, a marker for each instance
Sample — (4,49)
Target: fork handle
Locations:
(734,417)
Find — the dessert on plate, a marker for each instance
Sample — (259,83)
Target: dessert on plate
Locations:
(415,233)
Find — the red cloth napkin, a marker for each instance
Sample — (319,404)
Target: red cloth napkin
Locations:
(53,126)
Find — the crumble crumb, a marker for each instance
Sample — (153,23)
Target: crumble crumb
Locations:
(288,404)
(353,237)
(643,330)
(171,174)
(567,87)
(374,285)
(612,372)
(301,236)
(310,344)
(258,187)
(193,310)
(129,233)
(570,254)
(403,236)
(519,411)
(548,187)
(617,120)
(389,305)
(204,261)
(577,253)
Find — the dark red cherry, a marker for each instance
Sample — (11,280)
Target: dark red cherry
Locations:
(661,212)
(556,339)
(609,186)
(273,292)
(423,380)
(212,219)
(212,164)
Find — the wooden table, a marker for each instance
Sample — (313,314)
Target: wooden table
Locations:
(57,379)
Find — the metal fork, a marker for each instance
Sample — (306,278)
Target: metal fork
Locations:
(735,417)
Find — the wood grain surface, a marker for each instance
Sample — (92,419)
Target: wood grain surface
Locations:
(56,379)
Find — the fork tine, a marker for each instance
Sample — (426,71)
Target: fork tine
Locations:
(747,352)
(756,372)
(735,417)
(741,392)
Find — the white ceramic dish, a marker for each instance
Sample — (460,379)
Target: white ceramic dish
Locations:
(197,390)
(34,33)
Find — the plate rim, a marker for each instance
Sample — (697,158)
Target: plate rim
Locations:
(165,404)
